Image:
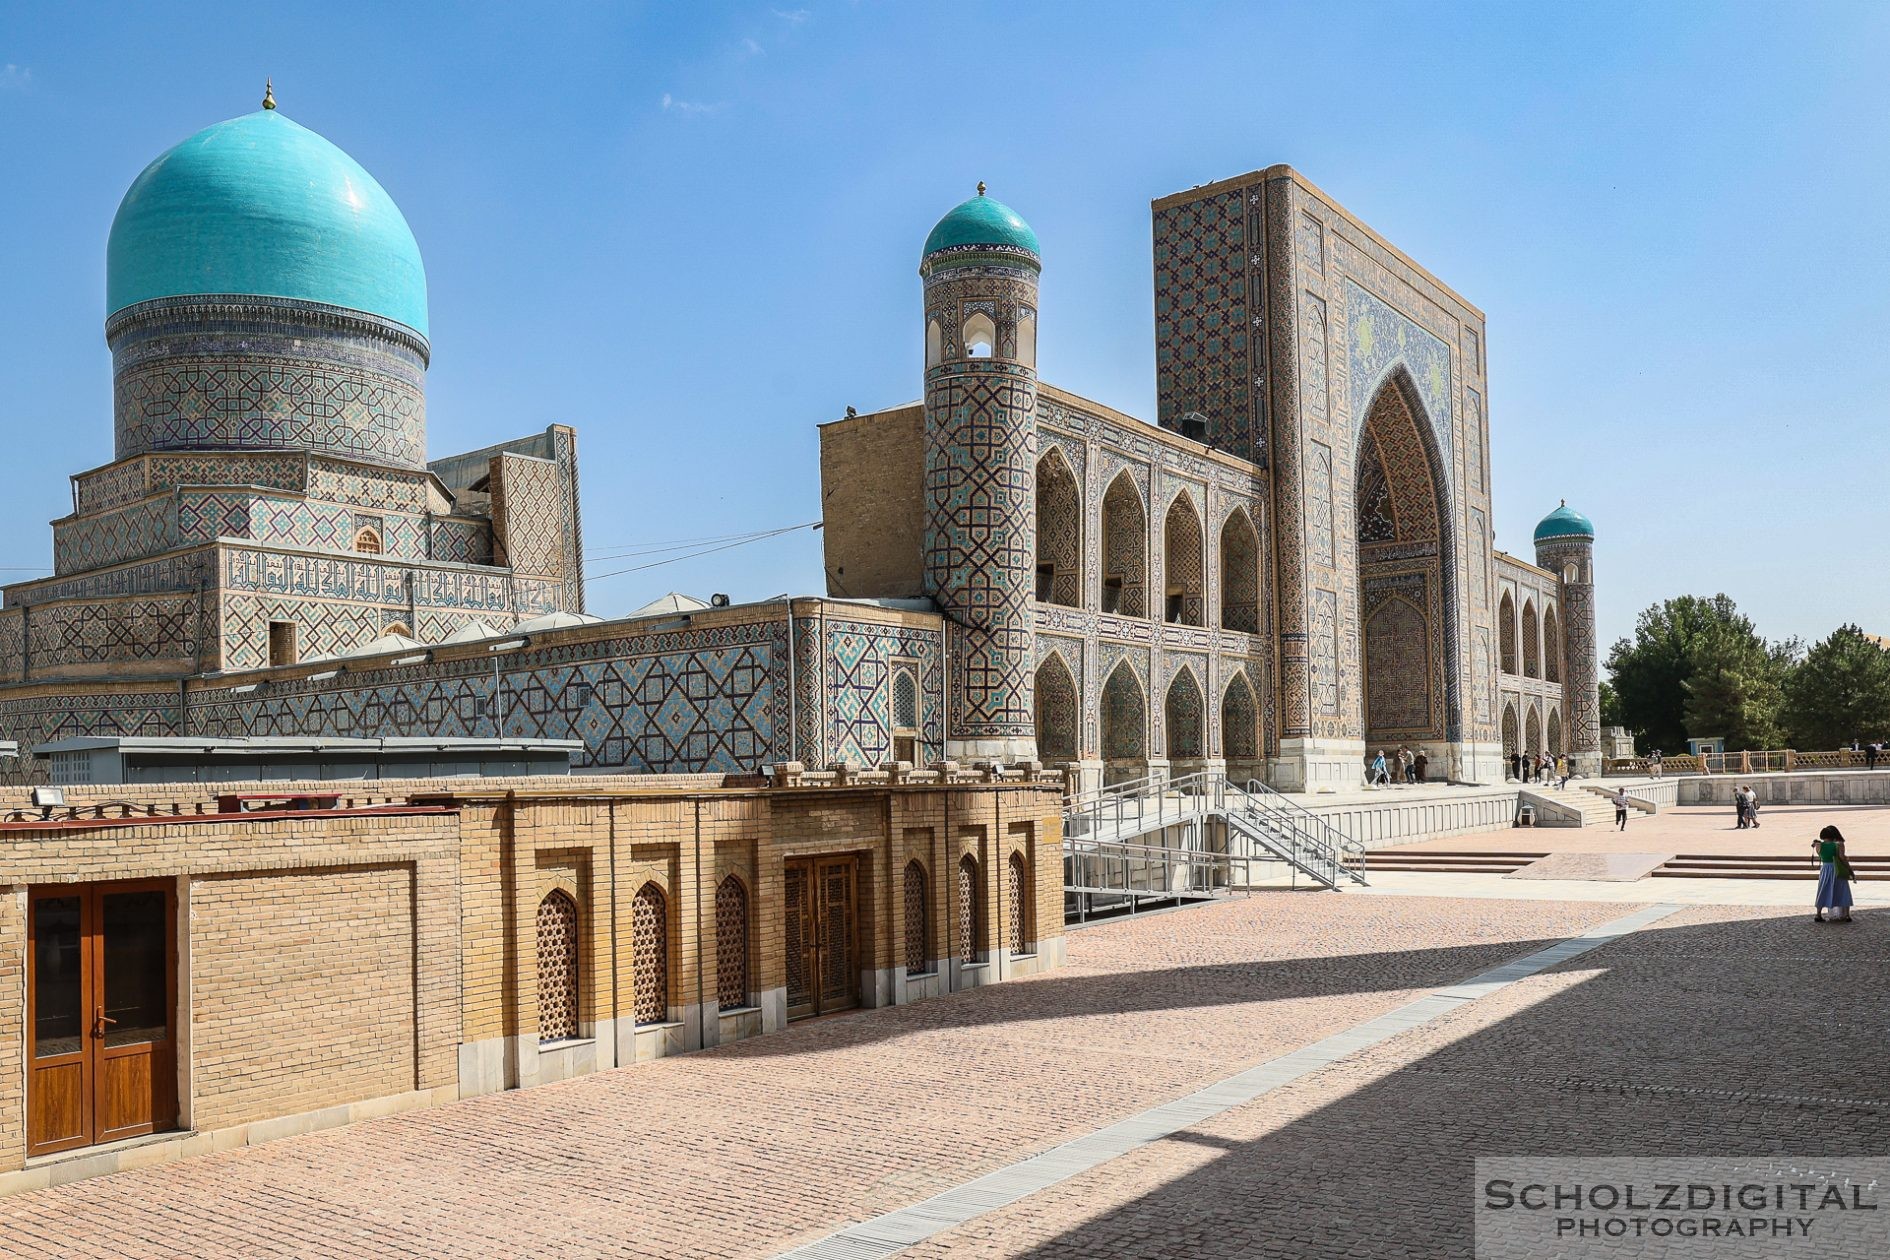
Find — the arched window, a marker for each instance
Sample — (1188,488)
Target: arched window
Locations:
(649,955)
(1551,645)
(1017,905)
(731,943)
(934,344)
(1184,564)
(1510,743)
(1124,716)
(905,716)
(1240,575)
(1124,549)
(1531,641)
(1532,731)
(1240,721)
(970,909)
(557,966)
(367,541)
(917,915)
(1506,634)
(1059,532)
(1555,733)
(1182,712)
(1027,337)
(1057,712)
(980,336)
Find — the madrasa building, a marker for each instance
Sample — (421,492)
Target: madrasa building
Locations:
(1292,568)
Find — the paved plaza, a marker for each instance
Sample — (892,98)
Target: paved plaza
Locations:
(1704,1028)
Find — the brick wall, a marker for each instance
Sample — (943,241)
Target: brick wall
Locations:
(871,471)
(302,991)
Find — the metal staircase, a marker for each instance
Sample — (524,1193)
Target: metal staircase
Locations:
(1194,837)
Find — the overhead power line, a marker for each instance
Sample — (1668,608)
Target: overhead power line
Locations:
(740,541)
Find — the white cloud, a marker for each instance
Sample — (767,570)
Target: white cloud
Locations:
(691,109)
(18,78)
(751,48)
(796,16)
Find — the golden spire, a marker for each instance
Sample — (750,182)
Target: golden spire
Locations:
(269,94)
(981,188)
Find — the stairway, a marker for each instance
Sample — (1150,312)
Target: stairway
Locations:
(1590,809)
(1119,850)
(1451,862)
(1765,866)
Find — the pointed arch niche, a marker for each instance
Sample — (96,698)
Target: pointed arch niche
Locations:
(1406,572)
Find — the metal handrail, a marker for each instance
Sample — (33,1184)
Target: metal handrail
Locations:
(1337,839)
(1257,813)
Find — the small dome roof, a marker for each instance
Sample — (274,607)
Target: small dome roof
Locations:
(261,206)
(1564,522)
(982,221)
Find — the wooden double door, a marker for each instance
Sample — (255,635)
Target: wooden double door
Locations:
(101,1001)
(823,960)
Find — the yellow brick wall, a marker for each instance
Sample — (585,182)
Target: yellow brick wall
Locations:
(302,991)
(873,468)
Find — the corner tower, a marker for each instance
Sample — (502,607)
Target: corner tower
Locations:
(1565,545)
(981,267)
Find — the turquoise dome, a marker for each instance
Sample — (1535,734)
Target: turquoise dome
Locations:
(261,206)
(982,221)
(1564,522)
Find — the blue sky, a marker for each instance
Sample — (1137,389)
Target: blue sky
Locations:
(691,231)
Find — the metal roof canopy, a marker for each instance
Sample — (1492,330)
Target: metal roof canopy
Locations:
(167,759)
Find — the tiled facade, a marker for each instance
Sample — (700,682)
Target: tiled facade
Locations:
(1319,564)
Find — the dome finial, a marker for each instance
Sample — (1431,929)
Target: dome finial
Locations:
(981,188)
(269,94)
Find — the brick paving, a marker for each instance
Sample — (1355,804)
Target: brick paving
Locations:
(1716,1031)
(768,1143)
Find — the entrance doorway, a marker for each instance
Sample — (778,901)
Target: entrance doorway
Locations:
(101,997)
(823,974)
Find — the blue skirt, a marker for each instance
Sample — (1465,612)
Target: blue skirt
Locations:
(1833,892)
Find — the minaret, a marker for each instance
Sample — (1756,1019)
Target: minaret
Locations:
(1565,545)
(980,267)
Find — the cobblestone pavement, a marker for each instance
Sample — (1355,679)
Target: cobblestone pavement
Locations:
(1716,1031)
(771,1142)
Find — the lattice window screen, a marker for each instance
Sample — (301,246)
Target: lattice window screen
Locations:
(970,930)
(915,906)
(731,943)
(1015,890)
(557,966)
(649,944)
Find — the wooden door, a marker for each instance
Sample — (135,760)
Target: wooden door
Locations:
(101,1002)
(821,936)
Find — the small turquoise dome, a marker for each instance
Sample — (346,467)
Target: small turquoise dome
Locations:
(261,206)
(982,221)
(1564,522)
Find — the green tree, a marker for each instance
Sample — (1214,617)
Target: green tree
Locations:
(1841,692)
(1698,666)
(1610,705)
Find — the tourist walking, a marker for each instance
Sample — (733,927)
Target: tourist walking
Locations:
(1515,766)
(1653,763)
(1405,773)
(1421,765)
(1752,805)
(1871,752)
(1380,775)
(1566,769)
(1739,807)
(1620,809)
(1834,877)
